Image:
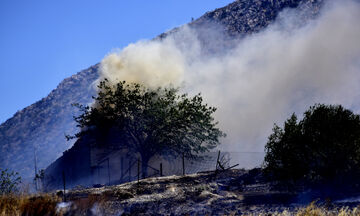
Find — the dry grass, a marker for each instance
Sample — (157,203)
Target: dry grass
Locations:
(9,205)
(46,205)
(95,204)
(16,205)
(313,210)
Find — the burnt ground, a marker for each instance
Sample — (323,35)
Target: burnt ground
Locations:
(231,192)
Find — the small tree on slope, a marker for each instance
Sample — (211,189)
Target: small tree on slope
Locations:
(150,121)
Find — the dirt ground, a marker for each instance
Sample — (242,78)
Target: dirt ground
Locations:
(231,192)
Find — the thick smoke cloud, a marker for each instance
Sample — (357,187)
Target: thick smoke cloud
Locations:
(150,63)
(264,78)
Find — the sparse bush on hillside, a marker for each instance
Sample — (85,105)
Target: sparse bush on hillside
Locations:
(8,181)
(323,146)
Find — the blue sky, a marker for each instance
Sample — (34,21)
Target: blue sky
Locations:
(42,42)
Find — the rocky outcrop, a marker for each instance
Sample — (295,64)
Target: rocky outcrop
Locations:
(248,16)
(218,30)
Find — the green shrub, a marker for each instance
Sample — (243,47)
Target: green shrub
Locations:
(324,145)
(8,181)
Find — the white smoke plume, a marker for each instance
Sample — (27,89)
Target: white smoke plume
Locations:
(153,64)
(264,79)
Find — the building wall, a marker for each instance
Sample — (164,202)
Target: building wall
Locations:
(74,163)
(87,164)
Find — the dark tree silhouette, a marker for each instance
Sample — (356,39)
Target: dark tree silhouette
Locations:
(151,121)
(323,146)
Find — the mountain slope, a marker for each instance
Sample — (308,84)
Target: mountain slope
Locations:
(249,16)
(42,125)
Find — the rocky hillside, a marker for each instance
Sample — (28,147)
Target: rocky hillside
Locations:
(245,17)
(41,126)
(248,16)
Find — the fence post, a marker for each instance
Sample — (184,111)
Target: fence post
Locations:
(130,169)
(217,163)
(138,170)
(63,175)
(161,174)
(183,163)
(122,168)
(217,160)
(108,166)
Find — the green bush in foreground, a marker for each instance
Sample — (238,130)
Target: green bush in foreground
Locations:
(8,181)
(323,146)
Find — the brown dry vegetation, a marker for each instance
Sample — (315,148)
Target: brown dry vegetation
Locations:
(232,192)
(45,205)
(28,205)
(314,210)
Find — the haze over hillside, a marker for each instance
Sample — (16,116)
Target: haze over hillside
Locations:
(250,73)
